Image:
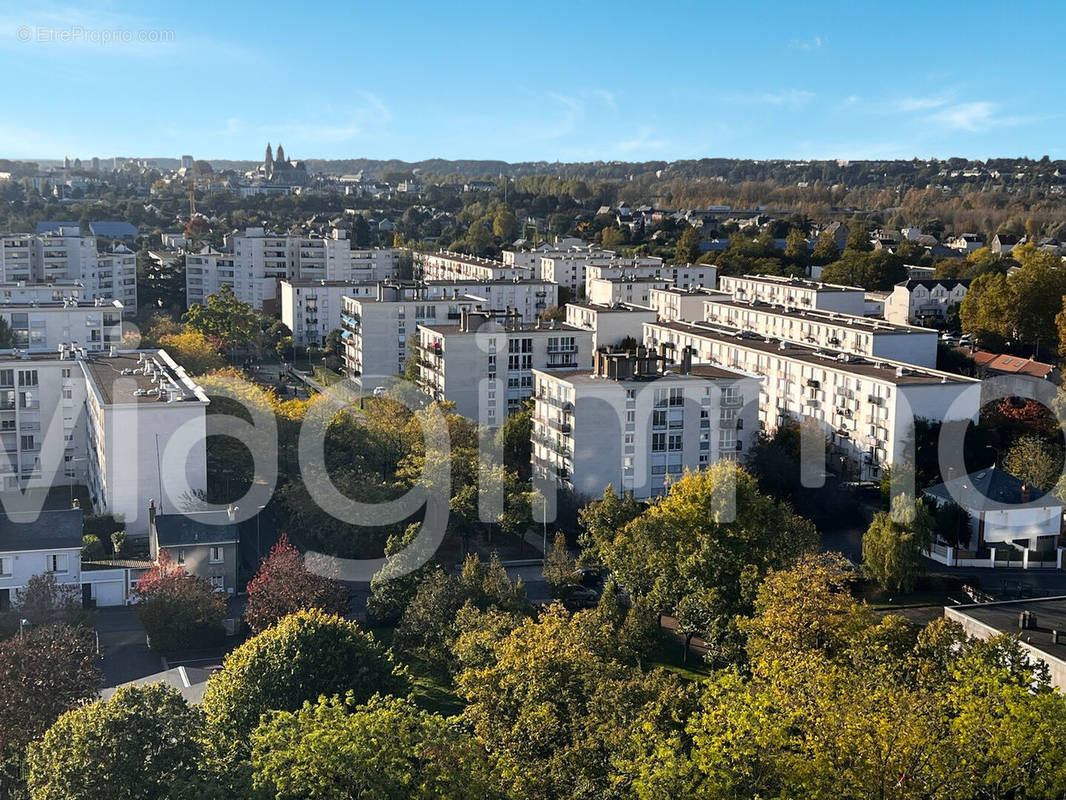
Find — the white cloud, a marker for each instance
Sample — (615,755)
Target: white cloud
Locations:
(910,104)
(974,116)
(794,98)
(815,43)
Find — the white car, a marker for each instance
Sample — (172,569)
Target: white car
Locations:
(379,391)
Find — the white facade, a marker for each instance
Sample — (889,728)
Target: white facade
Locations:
(828,330)
(129,426)
(672,303)
(638,434)
(794,292)
(65,256)
(449,266)
(610,325)
(485,364)
(915,300)
(44,326)
(34,544)
(256,261)
(311,309)
(634,291)
(866,406)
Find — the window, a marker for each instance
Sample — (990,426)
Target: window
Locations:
(675,441)
(218,583)
(27,377)
(658,442)
(216,556)
(181,556)
(5,566)
(56,563)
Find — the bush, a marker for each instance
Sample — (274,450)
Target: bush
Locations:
(92,549)
(177,610)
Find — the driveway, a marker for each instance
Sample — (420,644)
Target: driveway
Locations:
(123,647)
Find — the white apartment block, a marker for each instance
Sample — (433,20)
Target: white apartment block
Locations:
(865,406)
(65,256)
(827,330)
(610,325)
(45,326)
(311,309)
(794,292)
(571,267)
(633,424)
(632,291)
(681,276)
(255,261)
(376,327)
(448,266)
(484,364)
(675,303)
(129,425)
(916,300)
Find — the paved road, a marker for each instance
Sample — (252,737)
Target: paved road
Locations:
(122,644)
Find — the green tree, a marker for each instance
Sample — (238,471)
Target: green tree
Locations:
(878,270)
(796,247)
(178,610)
(194,351)
(559,570)
(228,320)
(1035,461)
(141,744)
(513,438)
(825,249)
(504,225)
(710,540)
(688,246)
(306,655)
(858,236)
(893,545)
(386,748)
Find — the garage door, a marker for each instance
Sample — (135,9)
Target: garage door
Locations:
(108,593)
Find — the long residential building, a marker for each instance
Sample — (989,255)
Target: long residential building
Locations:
(255,261)
(848,333)
(865,405)
(794,292)
(484,363)
(634,424)
(448,266)
(129,425)
(376,327)
(64,255)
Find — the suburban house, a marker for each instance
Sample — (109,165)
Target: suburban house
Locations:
(1004,511)
(1022,376)
(916,300)
(204,543)
(35,544)
(1004,243)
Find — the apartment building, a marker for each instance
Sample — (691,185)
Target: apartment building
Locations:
(313,308)
(635,424)
(676,303)
(632,291)
(255,261)
(448,266)
(484,364)
(865,405)
(127,424)
(681,276)
(376,328)
(43,326)
(794,292)
(574,266)
(828,330)
(610,325)
(63,255)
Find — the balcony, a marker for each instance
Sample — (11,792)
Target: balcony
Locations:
(732,400)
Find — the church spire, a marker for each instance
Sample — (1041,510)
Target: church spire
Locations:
(269,160)
(281,153)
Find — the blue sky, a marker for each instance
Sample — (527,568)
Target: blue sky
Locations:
(570,81)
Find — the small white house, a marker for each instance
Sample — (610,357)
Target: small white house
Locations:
(48,543)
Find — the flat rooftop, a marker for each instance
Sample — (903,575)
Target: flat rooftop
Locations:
(873,368)
(109,373)
(560,327)
(1050,615)
(587,376)
(608,309)
(463,258)
(826,317)
(799,283)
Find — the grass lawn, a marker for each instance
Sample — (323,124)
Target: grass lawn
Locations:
(668,655)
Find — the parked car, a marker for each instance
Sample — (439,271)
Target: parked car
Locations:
(581,597)
(379,391)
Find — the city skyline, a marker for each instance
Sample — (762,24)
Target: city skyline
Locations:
(576,83)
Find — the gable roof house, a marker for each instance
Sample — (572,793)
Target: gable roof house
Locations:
(204,543)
